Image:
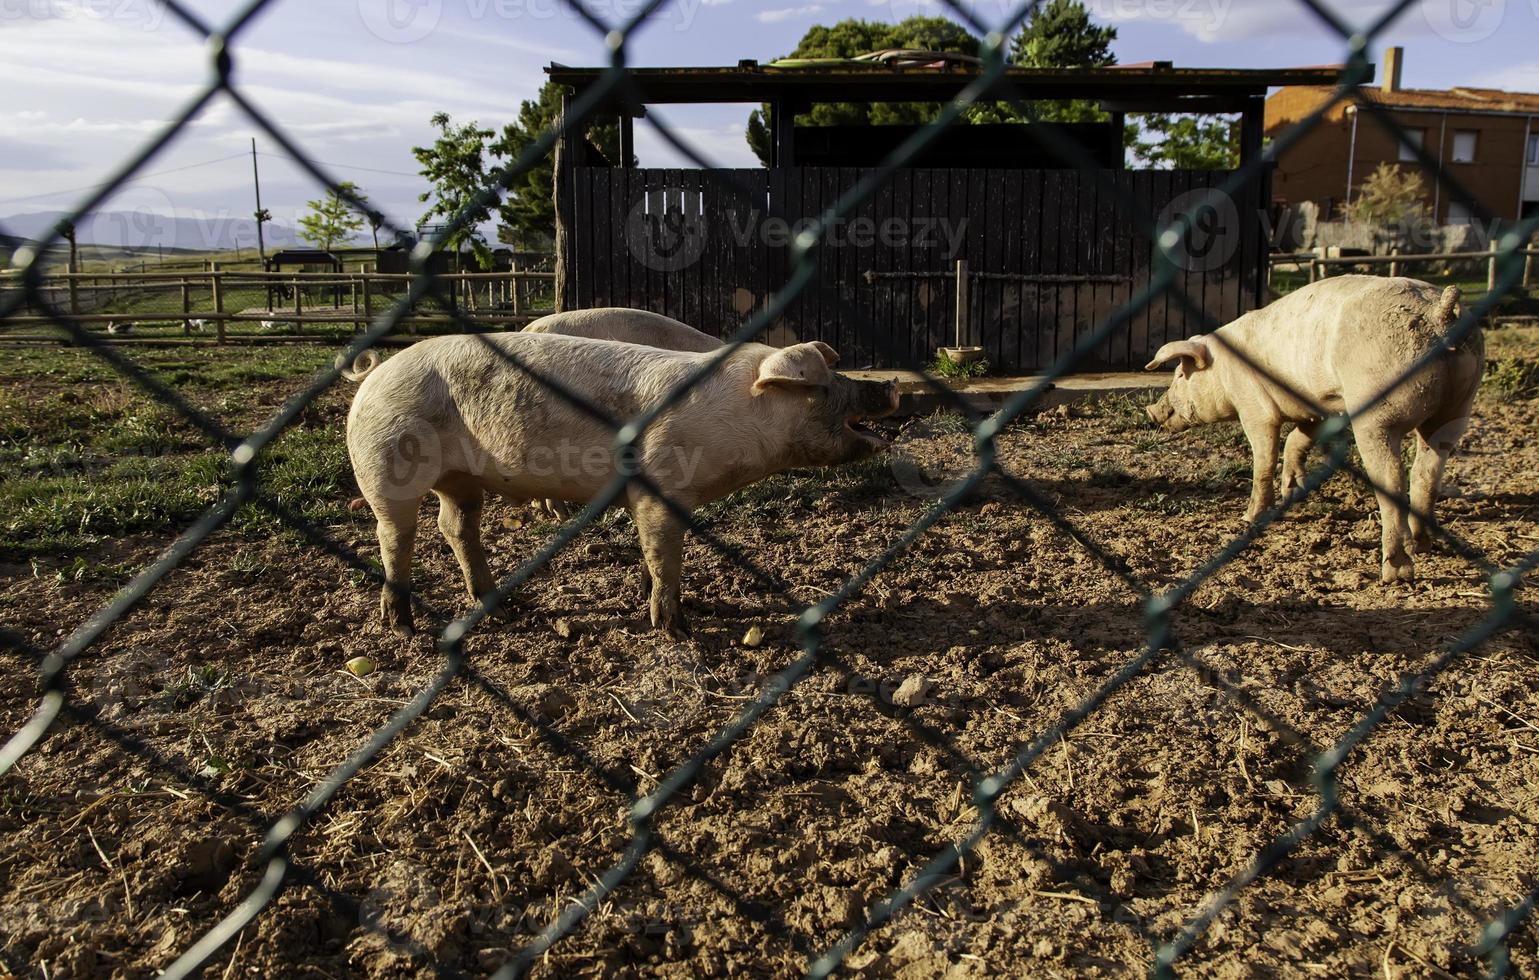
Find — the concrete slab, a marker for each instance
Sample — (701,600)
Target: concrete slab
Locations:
(984,396)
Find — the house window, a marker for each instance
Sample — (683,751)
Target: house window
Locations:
(1413,138)
(1464,146)
(1533,151)
(1458,214)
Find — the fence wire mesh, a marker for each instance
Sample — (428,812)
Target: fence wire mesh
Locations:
(244,489)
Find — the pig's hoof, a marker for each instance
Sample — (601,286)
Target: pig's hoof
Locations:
(676,626)
(1403,570)
(1422,543)
(396,614)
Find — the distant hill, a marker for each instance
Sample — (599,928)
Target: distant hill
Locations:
(137,230)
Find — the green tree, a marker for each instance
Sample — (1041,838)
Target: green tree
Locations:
(331,219)
(1171,141)
(1391,198)
(528,214)
(852,37)
(464,159)
(456,167)
(1059,34)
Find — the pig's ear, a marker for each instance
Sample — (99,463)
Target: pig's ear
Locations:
(1182,349)
(801,365)
(830,356)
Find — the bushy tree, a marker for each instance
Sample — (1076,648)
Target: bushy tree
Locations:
(464,159)
(1060,34)
(1171,141)
(852,37)
(1391,198)
(331,219)
(456,167)
(528,214)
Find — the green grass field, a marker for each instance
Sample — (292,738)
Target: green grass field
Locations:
(87,457)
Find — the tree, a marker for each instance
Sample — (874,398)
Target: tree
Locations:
(1060,34)
(332,218)
(463,160)
(1171,141)
(1391,199)
(528,214)
(852,37)
(371,216)
(456,167)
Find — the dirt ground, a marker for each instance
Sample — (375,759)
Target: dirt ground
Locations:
(219,703)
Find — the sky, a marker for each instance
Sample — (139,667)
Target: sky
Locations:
(355,82)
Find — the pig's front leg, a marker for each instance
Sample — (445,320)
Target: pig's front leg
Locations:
(1262,433)
(662,549)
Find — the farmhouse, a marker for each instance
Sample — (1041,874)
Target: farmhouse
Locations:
(1486,139)
(1025,236)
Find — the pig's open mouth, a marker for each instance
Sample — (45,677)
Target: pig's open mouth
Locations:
(858,427)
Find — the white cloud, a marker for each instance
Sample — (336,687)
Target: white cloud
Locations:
(1514,78)
(786,13)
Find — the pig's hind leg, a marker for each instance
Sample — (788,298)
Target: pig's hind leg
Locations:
(1379,446)
(1435,441)
(1296,456)
(460,502)
(396,524)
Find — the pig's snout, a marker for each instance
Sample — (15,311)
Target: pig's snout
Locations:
(1160,412)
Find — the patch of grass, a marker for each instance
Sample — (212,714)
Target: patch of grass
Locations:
(1124,412)
(1226,472)
(1109,475)
(1221,434)
(945,367)
(1065,457)
(942,422)
(86,456)
(1513,378)
(1168,505)
(799,490)
(81,571)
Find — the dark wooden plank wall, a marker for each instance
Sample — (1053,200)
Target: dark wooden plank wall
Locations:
(694,244)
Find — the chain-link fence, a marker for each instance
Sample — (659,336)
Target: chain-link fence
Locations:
(64,668)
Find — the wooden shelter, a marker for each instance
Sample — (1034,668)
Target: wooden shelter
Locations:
(1046,251)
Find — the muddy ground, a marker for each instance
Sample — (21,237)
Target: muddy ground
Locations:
(221,701)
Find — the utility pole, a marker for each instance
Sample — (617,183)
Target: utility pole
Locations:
(261,215)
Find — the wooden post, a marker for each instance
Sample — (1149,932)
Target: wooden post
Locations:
(368,303)
(411,310)
(186,307)
(561,181)
(1528,265)
(1394,267)
(216,280)
(1491,268)
(353,302)
(963,332)
(513,284)
(627,139)
(299,312)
